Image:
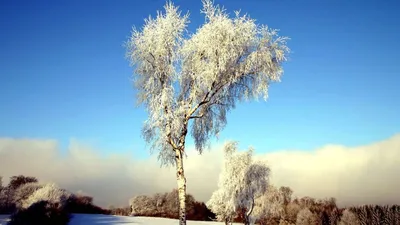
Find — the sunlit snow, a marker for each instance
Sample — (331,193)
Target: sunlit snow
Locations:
(87,219)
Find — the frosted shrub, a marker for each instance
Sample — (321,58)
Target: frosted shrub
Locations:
(142,205)
(24,192)
(50,193)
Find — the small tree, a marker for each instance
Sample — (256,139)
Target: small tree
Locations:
(240,183)
(198,78)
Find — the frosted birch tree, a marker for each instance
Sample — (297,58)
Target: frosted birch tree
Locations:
(195,79)
(241,181)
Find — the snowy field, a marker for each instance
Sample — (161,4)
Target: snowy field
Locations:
(87,219)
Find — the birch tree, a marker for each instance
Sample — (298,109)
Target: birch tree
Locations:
(194,79)
(240,183)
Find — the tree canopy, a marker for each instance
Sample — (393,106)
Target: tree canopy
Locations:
(201,76)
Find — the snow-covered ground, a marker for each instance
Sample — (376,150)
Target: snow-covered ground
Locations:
(87,219)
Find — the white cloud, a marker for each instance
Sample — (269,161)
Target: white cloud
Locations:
(360,175)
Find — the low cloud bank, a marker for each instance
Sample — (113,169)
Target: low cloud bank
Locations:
(367,174)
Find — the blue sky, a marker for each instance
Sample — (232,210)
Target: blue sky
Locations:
(64,75)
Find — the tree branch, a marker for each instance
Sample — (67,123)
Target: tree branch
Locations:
(196,117)
(207,98)
(171,142)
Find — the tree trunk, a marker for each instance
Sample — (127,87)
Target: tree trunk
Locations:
(181,180)
(248,213)
(246,217)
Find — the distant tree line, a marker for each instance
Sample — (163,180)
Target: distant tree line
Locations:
(283,210)
(30,202)
(310,211)
(245,195)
